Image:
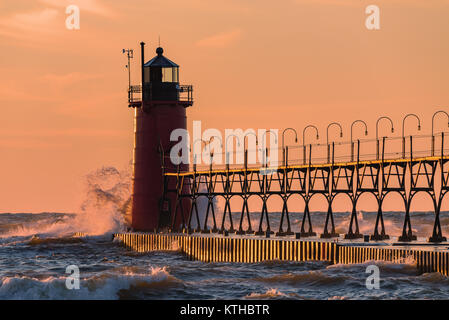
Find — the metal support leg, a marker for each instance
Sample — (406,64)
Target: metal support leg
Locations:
(437,234)
(178,207)
(193,208)
(379,236)
(354,221)
(264,213)
(210,208)
(407,234)
(306,215)
(329,217)
(227,209)
(286,214)
(245,209)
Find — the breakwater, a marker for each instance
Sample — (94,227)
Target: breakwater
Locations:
(210,248)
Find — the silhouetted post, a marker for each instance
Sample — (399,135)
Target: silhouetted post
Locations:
(433,145)
(266,157)
(283,157)
(142,58)
(377,149)
(333,152)
(211,160)
(352,151)
(304,154)
(442,144)
(358,150)
(245,177)
(310,154)
(194,162)
(403,147)
(246,160)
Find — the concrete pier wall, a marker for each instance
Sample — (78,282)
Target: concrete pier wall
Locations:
(251,250)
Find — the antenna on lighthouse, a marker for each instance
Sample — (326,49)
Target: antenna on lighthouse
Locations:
(129,53)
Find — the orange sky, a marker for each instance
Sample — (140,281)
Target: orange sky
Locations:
(253,64)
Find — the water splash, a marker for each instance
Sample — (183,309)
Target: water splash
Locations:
(108,193)
(271,293)
(102,212)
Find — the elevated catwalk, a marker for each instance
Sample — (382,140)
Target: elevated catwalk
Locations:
(406,177)
(213,248)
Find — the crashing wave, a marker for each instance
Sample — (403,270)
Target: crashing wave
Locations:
(115,284)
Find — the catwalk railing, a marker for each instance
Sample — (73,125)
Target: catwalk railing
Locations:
(185,93)
(406,166)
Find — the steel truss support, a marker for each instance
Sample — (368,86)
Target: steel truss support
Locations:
(194,208)
(379,219)
(281,224)
(306,218)
(178,207)
(407,233)
(437,234)
(245,212)
(354,234)
(227,210)
(329,218)
(264,213)
(210,208)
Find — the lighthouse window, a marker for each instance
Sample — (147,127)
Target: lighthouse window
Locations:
(175,74)
(169,74)
(158,74)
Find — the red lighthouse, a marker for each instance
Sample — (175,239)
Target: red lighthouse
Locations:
(160,108)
